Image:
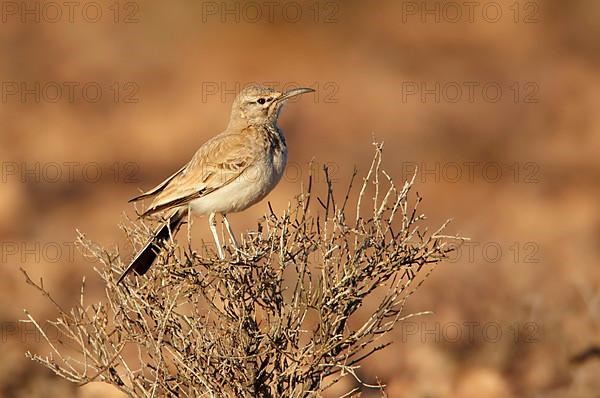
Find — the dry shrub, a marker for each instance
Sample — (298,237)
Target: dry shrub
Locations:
(313,294)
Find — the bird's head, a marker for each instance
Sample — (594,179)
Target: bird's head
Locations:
(257,104)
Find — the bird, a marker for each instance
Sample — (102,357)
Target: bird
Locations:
(229,173)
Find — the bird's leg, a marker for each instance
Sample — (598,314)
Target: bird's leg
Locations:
(213,228)
(189,222)
(231,234)
(171,235)
(234,241)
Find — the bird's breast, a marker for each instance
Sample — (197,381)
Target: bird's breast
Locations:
(253,184)
(280,155)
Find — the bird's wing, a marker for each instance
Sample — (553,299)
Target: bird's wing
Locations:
(157,188)
(217,163)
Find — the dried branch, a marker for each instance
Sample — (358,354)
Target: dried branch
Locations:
(277,322)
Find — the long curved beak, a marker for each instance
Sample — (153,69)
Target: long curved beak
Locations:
(294,93)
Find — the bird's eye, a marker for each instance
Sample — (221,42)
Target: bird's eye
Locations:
(261,101)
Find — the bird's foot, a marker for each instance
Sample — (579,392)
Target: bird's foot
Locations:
(239,256)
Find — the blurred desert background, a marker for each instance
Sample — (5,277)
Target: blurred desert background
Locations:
(515,164)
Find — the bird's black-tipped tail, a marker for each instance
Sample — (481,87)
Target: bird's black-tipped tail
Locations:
(144,259)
